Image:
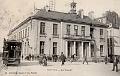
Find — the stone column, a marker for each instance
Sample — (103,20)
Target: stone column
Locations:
(74,48)
(79,49)
(66,48)
(82,49)
(89,50)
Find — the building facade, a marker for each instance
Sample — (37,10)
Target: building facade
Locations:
(111,18)
(51,32)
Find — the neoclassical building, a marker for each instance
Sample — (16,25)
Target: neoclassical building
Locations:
(52,32)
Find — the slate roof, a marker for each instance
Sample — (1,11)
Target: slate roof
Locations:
(66,17)
(107,22)
(62,17)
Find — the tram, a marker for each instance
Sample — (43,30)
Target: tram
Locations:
(11,52)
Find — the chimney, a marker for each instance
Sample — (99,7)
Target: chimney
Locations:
(47,8)
(81,13)
(73,8)
(91,15)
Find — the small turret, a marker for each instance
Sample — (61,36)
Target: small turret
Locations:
(73,7)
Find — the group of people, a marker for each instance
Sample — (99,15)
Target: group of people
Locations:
(43,59)
(29,57)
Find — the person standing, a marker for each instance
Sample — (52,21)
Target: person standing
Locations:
(40,59)
(106,59)
(115,63)
(62,58)
(22,57)
(55,57)
(44,60)
(72,58)
(85,60)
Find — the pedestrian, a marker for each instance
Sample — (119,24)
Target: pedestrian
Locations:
(115,63)
(62,58)
(30,57)
(106,59)
(40,59)
(72,58)
(55,57)
(22,57)
(85,60)
(44,59)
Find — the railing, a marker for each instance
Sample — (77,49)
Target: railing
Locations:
(55,35)
(77,36)
(43,35)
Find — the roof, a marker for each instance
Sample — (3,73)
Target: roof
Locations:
(12,41)
(108,22)
(66,17)
(61,17)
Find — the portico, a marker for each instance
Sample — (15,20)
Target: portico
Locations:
(80,48)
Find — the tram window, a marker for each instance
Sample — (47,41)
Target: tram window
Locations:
(12,52)
(5,54)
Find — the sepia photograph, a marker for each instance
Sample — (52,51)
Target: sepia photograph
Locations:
(59,37)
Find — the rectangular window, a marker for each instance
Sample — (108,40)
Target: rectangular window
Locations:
(42,47)
(28,31)
(25,33)
(42,28)
(19,35)
(55,29)
(68,30)
(101,31)
(76,30)
(83,30)
(15,37)
(101,50)
(55,48)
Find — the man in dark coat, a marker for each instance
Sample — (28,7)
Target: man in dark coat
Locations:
(106,59)
(72,58)
(115,63)
(62,58)
(22,57)
(55,57)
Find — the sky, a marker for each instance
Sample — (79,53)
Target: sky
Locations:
(12,12)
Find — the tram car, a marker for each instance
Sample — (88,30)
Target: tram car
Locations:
(11,52)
